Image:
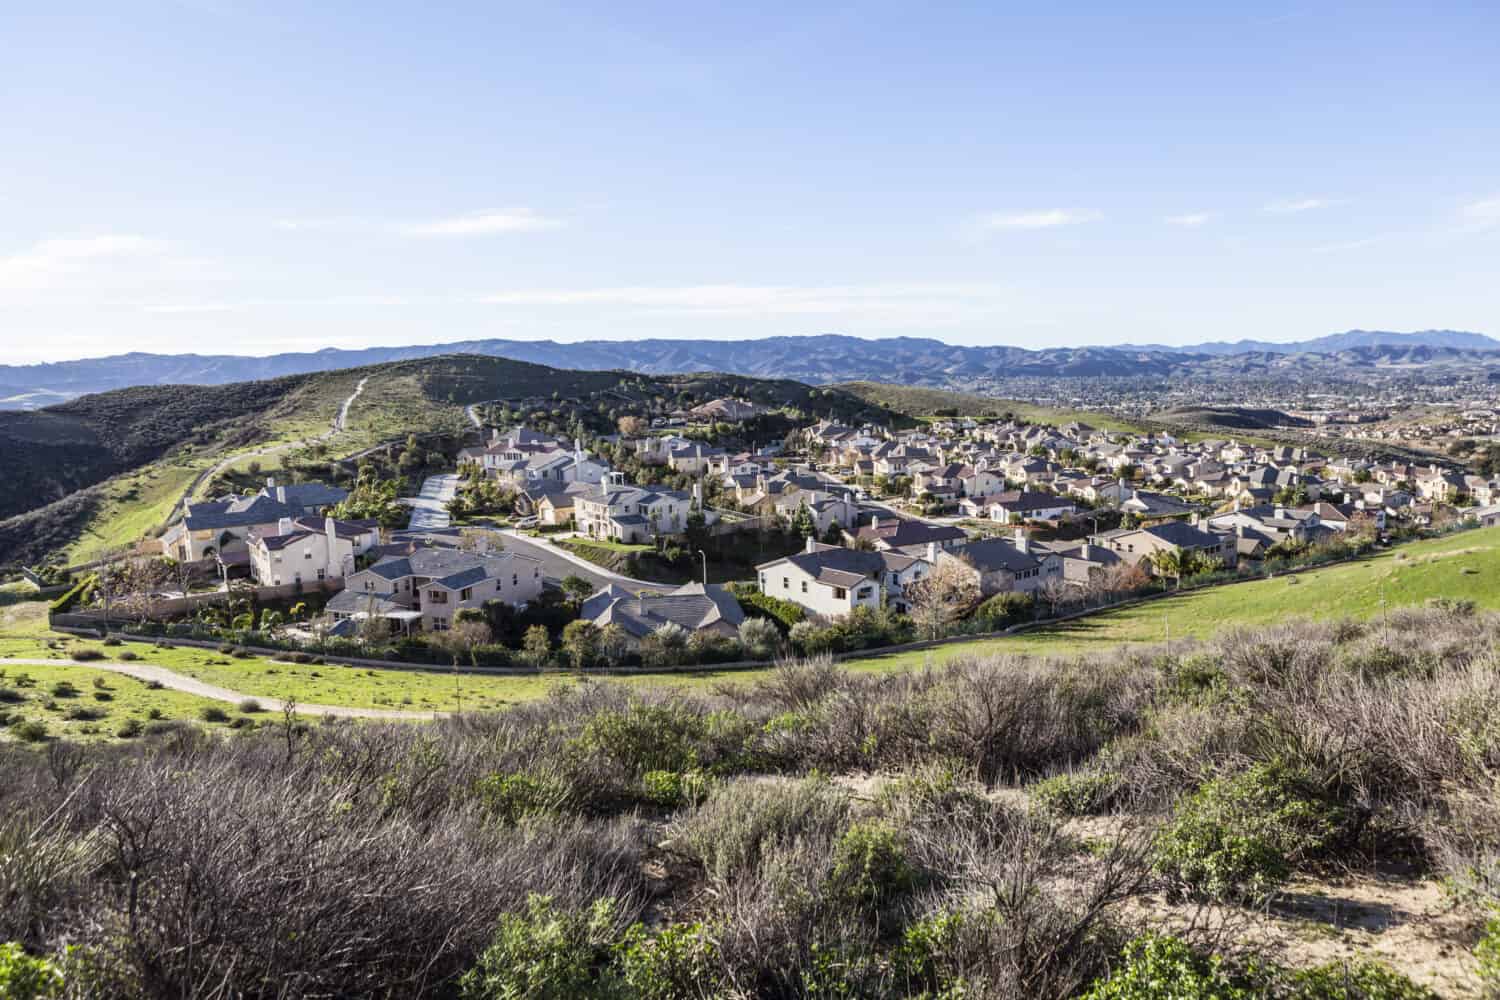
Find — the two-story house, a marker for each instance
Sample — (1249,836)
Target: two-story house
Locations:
(622,513)
(426,587)
(309,549)
(830,580)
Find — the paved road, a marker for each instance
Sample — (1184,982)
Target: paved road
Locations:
(429,507)
(190,685)
(557,564)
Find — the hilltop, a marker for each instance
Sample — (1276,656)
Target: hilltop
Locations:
(105,469)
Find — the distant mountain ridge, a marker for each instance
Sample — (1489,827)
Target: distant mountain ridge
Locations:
(822,358)
(1335,342)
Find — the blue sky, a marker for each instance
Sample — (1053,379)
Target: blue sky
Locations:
(236,177)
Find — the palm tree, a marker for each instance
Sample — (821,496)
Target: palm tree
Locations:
(1172,563)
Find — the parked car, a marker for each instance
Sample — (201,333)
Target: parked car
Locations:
(528,522)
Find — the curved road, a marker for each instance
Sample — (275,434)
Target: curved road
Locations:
(339,423)
(190,685)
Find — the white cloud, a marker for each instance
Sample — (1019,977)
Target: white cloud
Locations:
(1292,206)
(1191,220)
(50,261)
(517,221)
(1046,219)
(1482,214)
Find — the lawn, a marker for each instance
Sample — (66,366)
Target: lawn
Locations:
(136,504)
(108,699)
(1464,566)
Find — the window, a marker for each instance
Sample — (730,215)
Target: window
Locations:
(466,593)
(438,597)
(440,624)
(839,593)
(786,584)
(515,579)
(322,574)
(804,586)
(307,553)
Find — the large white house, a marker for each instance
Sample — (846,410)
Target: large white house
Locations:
(630,514)
(309,549)
(830,580)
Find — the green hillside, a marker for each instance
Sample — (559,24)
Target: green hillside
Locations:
(1463,566)
(108,469)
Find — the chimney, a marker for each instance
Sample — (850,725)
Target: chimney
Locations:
(284,526)
(1021,541)
(1085,551)
(270,484)
(932,551)
(874,524)
(812,544)
(330,529)
(577,452)
(1194,519)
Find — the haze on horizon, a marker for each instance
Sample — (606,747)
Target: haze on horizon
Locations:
(220,177)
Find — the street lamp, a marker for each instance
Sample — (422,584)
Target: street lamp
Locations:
(705,566)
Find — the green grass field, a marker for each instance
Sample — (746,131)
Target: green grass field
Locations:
(1464,566)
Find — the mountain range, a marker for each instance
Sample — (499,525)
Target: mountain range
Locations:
(819,359)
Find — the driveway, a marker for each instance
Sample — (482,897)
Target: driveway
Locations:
(429,507)
(557,564)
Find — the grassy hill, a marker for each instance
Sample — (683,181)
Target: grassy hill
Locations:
(916,401)
(108,469)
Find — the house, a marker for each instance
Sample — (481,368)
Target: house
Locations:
(210,528)
(999,565)
(1154,506)
(709,609)
(1027,505)
(895,534)
(426,587)
(1138,545)
(551,502)
(309,499)
(726,411)
(825,509)
(830,580)
(630,514)
(1083,563)
(694,459)
(308,549)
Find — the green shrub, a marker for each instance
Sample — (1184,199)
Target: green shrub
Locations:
(1006,609)
(87,654)
(26,977)
(1487,953)
(670,789)
(510,797)
(213,713)
(112,640)
(9,695)
(31,731)
(1240,836)
(1079,794)
(84,713)
(547,954)
(1362,981)
(130,729)
(78,593)
(1164,968)
(680,961)
(249,706)
(870,866)
(64,689)
(663,737)
(127,655)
